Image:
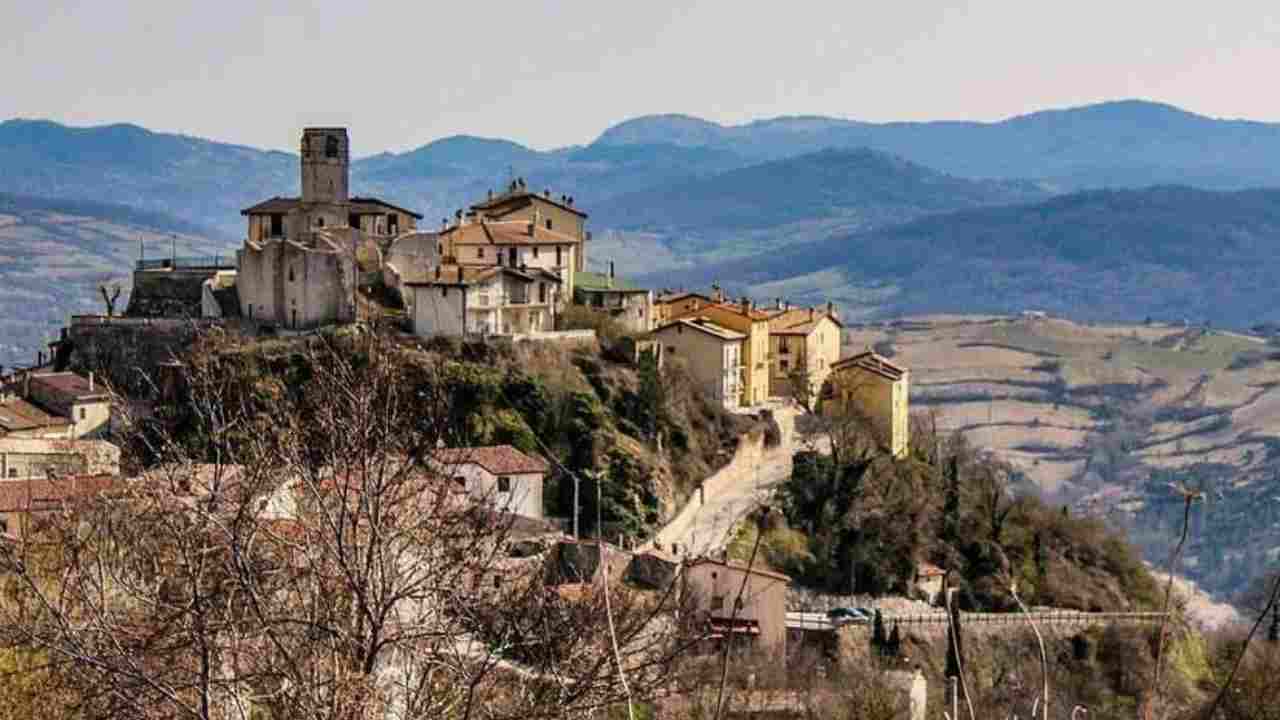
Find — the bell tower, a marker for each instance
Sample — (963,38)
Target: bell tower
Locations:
(326,160)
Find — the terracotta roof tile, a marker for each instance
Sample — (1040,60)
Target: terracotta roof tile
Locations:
(497,459)
(871,362)
(40,494)
(17,415)
(68,386)
(520,198)
(506,232)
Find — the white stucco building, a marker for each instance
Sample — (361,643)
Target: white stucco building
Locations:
(500,475)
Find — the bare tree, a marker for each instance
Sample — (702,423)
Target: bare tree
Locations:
(294,552)
(109,297)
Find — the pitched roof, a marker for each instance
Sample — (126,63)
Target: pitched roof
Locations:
(356,205)
(756,569)
(702,324)
(460,275)
(798,321)
(497,459)
(68,387)
(40,493)
(506,232)
(521,198)
(873,363)
(600,282)
(18,415)
(670,297)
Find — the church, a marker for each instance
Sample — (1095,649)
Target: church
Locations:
(302,256)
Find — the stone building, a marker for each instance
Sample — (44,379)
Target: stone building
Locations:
(24,501)
(870,385)
(712,354)
(302,256)
(760,617)
(550,212)
(500,475)
(54,405)
(495,300)
(24,458)
(518,244)
(803,343)
(630,305)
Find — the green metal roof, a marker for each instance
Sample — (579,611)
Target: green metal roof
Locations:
(593,281)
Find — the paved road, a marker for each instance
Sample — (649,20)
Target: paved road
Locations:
(708,529)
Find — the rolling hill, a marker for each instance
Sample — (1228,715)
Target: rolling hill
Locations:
(795,199)
(1171,253)
(1104,417)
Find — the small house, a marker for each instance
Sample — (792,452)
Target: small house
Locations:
(757,617)
(501,475)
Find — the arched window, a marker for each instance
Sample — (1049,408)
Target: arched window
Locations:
(331,147)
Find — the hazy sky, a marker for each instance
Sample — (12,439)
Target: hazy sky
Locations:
(555,73)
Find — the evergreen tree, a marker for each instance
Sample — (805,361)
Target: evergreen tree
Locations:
(895,642)
(951,503)
(878,640)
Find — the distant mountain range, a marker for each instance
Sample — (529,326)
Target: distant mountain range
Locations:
(862,211)
(1172,253)
(1119,144)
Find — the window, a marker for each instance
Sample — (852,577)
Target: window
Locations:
(81,413)
(548,223)
(479,252)
(460,481)
(13,472)
(319,222)
(558,262)
(277,225)
(542,292)
(291,274)
(717,602)
(504,484)
(535,252)
(444,291)
(786,364)
(331,147)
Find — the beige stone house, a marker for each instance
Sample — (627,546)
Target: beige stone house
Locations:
(803,342)
(23,458)
(456,300)
(761,614)
(515,244)
(499,475)
(712,354)
(23,501)
(298,267)
(742,317)
(630,305)
(871,385)
(54,405)
(550,212)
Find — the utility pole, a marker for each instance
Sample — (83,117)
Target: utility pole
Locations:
(576,536)
(173,245)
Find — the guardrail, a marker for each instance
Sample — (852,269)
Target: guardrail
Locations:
(193,262)
(1065,617)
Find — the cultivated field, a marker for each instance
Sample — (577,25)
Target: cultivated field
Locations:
(1083,407)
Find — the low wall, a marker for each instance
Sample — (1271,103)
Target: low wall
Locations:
(555,336)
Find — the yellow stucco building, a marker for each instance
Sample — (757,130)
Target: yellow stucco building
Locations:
(741,317)
(805,340)
(871,385)
(712,354)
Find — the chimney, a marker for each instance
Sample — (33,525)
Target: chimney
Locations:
(810,314)
(716,295)
(547,193)
(570,202)
(610,273)
(831,309)
(490,197)
(746,305)
(777,303)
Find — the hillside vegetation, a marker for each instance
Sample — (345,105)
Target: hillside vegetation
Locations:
(1111,418)
(593,416)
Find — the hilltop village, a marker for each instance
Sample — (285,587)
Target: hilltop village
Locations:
(509,271)
(511,267)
